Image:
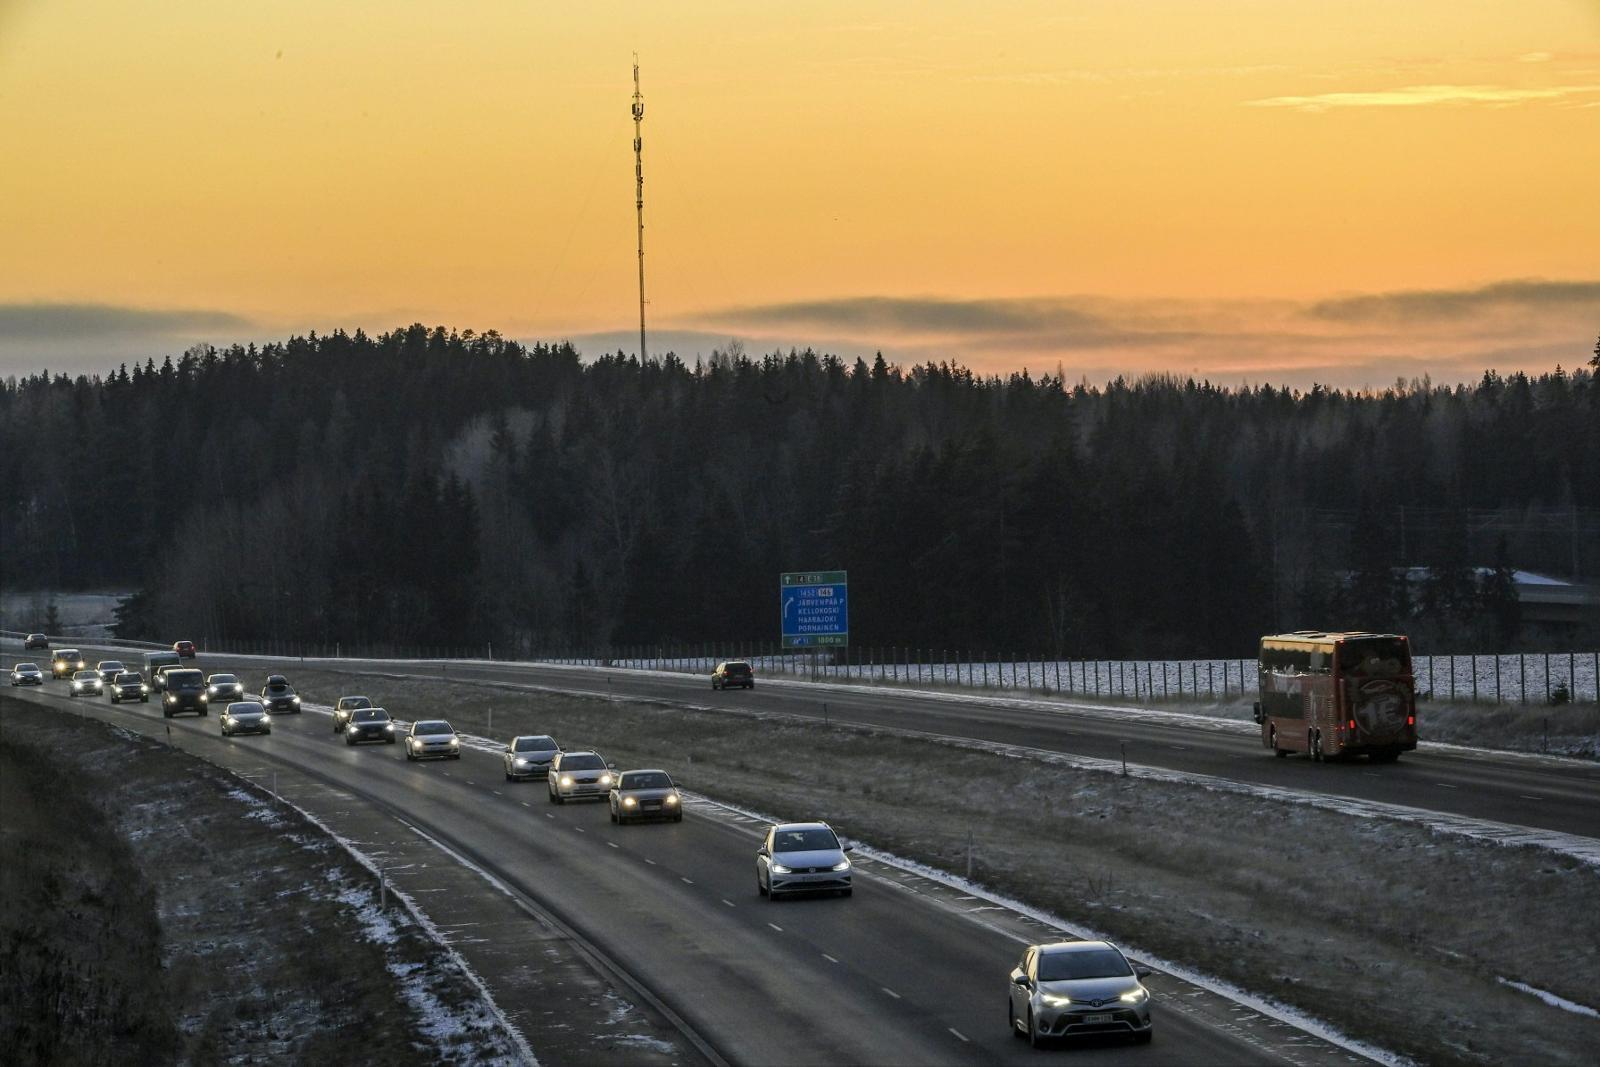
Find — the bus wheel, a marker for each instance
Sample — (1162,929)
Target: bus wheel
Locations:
(1272,740)
(1316,748)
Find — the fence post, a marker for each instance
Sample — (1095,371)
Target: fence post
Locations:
(1496,675)
(1474,677)
(1211,688)
(1547,677)
(1522,660)
(985,656)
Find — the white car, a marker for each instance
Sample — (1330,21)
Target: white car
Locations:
(1078,987)
(802,857)
(432,738)
(27,674)
(578,774)
(245,716)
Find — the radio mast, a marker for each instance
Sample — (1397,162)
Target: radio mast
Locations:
(638,184)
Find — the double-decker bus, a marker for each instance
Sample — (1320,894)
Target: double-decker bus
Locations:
(1334,695)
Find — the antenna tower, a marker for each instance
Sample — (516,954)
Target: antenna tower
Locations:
(638,185)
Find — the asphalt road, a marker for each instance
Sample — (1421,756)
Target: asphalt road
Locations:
(903,972)
(1544,793)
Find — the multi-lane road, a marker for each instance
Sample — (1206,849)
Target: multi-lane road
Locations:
(906,971)
(1560,795)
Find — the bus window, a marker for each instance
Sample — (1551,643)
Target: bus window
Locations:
(1374,657)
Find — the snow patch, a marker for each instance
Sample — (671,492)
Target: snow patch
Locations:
(1551,999)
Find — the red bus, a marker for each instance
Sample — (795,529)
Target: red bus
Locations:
(1336,695)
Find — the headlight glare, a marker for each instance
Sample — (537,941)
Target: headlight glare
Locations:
(629,802)
(566,779)
(1055,1001)
(521,762)
(1135,996)
(778,868)
(605,779)
(672,798)
(842,865)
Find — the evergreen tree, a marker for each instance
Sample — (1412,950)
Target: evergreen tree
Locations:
(1498,595)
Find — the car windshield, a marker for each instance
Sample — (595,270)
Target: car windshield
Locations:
(25,667)
(85,675)
(535,744)
(371,715)
(737,668)
(277,687)
(585,762)
(223,679)
(433,728)
(354,702)
(67,653)
(246,708)
(1089,963)
(811,840)
(128,678)
(183,678)
(646,780)
(108,665)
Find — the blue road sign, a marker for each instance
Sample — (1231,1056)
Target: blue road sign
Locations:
(815,607)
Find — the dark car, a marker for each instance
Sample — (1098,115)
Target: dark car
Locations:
(224,687)
(184,649)
(128,686)
(86,683)
(185,691)
(279,696)
(35,641)
(109,669)
(65,662)
(369,724)
(734,674)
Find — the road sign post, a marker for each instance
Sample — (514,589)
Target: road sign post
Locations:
(814,609)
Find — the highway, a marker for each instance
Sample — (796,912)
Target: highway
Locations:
(903,972)
(1562,795)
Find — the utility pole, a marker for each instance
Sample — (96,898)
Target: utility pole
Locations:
(638,186)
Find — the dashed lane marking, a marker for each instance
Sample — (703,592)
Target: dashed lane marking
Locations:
(891,992)
(651,862)
(685,881)
(829,958)
(496,792)
(729,903)
(611,844)
(776,927)
(960,1035)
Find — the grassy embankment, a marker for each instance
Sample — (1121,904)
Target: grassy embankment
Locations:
(1391,932)
(151,911)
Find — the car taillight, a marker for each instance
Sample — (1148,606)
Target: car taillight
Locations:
(1411,720)
(1352,724)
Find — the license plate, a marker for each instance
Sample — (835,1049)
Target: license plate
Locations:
(1097,1018)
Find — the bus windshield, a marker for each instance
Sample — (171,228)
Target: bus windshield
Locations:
(1374,657)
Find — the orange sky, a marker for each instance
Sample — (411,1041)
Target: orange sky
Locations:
(1114,186)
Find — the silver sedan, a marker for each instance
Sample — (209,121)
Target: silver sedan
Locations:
(645,795)
(530,756)
(1078,987)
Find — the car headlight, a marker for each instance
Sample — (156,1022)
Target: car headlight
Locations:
(204,698)
(389,726)
(211,689)
(295,699)
(265,717)
(1055,1001)
(520,762)
(605,779)
(1135,996)
(629,802)
(672,798)
(778,868)
(842,865)
(454,742)
(171,699)
(144,689)
(566,779)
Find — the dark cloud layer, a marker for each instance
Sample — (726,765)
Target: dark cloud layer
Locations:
(918,315)
(1408,305)
(84,322)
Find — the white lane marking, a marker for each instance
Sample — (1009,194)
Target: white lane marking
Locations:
(1372,774)
(469,781)
(580,829)
(496,792)
(889,991)
(612,844)
(776,927)
(549,815)
(960,1035)
(685,881)
(1446,785)
(651,862)
(729,903)
(1529,796)
(829,958)
(526,804)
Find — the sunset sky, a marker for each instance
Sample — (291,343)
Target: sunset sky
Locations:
(1345,191)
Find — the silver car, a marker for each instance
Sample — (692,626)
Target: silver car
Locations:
(574,775)
(85,683)
(1078,987)
(224,687)
(802,857)
(344,706)
(530,756)
(109,669)
(432,738)
(245,717)
(27,674)
(645,795)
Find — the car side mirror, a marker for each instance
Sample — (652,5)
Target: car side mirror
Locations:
(762,851)
(1021,980)
(1141,973)
(849,848)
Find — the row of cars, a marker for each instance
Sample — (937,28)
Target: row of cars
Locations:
(1056,990)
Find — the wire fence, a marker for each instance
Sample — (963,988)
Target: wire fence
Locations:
(1508,678)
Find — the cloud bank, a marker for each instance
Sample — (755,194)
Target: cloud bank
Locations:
(1429,96)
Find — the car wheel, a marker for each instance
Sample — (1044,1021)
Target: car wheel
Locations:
(144,700)
(847,892)
(1011,1021)
(613,814)
(349,742)
(1272,742)
(224,731)
(678,817)
(1144,1038)
(752,685)
(390,740)
(268,730)
(1035,1038)
(761,890)
(508,776)
(336,726)
(166,713)
(409,757)
(560,799)
(1314,748)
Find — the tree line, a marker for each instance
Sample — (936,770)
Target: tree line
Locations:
(435,487)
